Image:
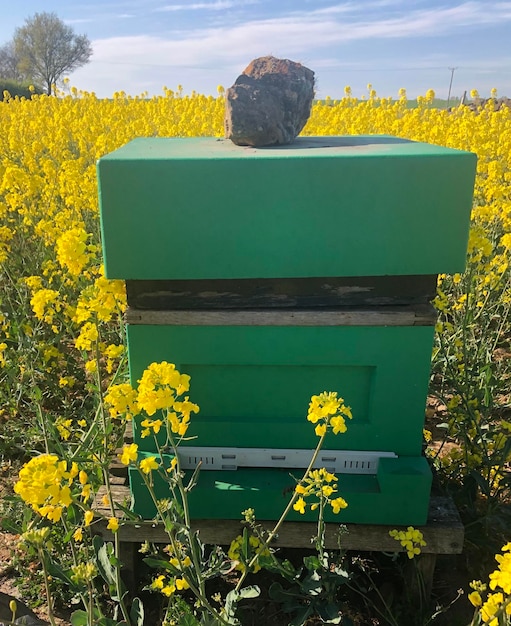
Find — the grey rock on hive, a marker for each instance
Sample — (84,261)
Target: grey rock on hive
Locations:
(269,103)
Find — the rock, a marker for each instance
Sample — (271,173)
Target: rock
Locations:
(269,103)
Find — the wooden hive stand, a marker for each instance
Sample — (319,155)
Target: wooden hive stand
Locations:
(443,533)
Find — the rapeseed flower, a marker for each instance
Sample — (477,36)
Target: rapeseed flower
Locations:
(320,486)
(326,410)
(45,483)
(129,454)
(411,539)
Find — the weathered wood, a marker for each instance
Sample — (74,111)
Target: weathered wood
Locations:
(422,580)
(443,532)
(280,292)
(420,315)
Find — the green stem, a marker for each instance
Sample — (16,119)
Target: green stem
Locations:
(197,592)
(74,555)
(106,477)
(277,526)
(43,428)
(320,539)
(196,558)
(42,558)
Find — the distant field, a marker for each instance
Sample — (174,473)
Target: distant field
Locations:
(436,103)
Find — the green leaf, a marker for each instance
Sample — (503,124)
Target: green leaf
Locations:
(8,526)
(301,617)
(105,567)
(312,584)
(79,618)
(232,599)
(245,547)
(312,562)
(106,621)
(159,564)
(137,612)
(329,613)
(57,572)
(193,480)
(290,599)
(129,514)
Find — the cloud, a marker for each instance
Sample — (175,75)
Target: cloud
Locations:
(219,5)
(209,56)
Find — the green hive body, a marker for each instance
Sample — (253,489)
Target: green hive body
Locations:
(200,209)
(326,206)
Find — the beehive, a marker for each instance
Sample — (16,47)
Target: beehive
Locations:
(270,275)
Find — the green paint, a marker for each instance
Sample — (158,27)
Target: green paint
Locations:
(253,383)
(325,206)
(398,494)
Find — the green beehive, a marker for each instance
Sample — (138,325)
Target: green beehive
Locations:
(197,208)
(304,244)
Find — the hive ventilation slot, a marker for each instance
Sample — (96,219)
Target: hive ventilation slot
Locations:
(335,461)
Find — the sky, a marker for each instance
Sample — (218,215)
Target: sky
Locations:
(143,45)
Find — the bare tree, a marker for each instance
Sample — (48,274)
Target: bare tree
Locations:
(47,48)
(9,63)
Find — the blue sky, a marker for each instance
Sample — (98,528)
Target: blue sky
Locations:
(142,45)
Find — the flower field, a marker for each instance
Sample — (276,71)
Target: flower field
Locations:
(61,333)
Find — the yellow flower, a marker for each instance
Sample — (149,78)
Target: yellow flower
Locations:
(44,484)
(411,539)
(338,424)
(129,454)
(338,504)
(320,430)
(168,590)
(173,465)
(72,250)
(475,598)
(45,304)
(122,401)
(83,572)
(88,517)
(78,534)
(158,582)
(159,386)
(300,505)
(182,584)
(88,336)
(148,464)
(113,524)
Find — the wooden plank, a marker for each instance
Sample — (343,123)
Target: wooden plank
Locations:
(443,532)
(423,315)
(280,292)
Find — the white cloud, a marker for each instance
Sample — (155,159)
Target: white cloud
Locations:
(210,56)
(219,5)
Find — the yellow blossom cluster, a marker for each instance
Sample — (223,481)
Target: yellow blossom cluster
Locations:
(328,411)
(158,389)
(159,385)
(411,539)
(497,605)
(252,547)
(168,586)
(48,485)
(319,484)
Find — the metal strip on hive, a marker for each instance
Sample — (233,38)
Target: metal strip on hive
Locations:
(334,461)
